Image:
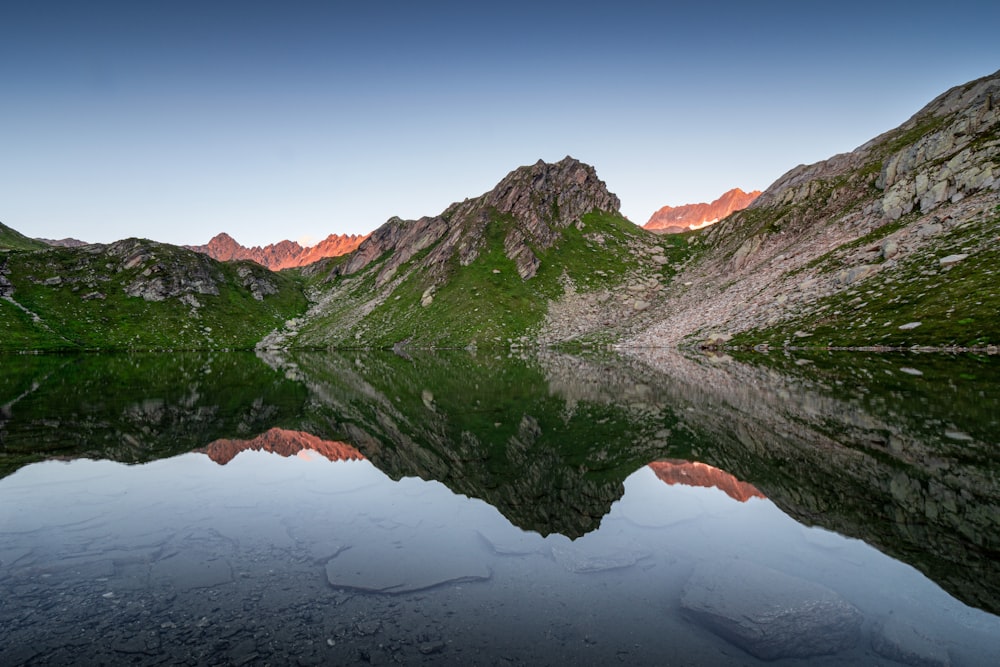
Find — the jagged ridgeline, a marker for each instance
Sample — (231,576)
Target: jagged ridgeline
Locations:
(135,294)
(486,270)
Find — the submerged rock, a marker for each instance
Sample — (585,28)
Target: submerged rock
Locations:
(899,641)
(769,614)
(407,564)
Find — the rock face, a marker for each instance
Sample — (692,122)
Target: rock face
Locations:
(675,219)
(277,256)
(769,614)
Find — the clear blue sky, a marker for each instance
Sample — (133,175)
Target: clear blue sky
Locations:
(177,120)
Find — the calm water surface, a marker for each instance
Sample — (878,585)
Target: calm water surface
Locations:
(462,509)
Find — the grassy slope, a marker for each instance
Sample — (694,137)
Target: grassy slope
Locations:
(13,240)
(233,319)
(486,302)
(956,307)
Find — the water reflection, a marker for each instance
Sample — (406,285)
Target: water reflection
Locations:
(274,558)
(524,524)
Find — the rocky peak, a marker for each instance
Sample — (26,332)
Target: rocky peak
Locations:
(544,197)
(674,219)
(538,200)
(281,255)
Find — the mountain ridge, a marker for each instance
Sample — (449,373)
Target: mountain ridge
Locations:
(676,219)
(281,255)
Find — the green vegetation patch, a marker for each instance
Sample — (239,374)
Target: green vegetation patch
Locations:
(487,302)
(14,240)
(78,298)
(917,302)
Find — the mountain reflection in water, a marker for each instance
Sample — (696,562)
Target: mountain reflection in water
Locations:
(573,555)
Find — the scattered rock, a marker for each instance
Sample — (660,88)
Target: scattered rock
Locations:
(432,648)
(427,298)
(769,614)
(856,274)
(889,249)
(909,325)
(952,259)
(910,371)
(639,305)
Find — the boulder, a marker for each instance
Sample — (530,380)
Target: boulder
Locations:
(769,614)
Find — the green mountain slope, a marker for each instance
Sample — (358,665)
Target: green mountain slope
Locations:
(14,240)
(486,271)
(138,294)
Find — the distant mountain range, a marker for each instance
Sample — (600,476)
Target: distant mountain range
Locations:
(676,219)
(281,255)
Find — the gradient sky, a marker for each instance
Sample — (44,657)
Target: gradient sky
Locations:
(178,120)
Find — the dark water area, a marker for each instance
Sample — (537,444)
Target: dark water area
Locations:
(483,509)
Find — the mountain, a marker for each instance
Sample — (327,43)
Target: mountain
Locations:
(673,220)
(487,270)
(282,255)
(893,244)
(136,294)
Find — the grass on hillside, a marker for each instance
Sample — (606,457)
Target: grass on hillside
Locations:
(487,302)
(233,319)
(956,306)
(14,240)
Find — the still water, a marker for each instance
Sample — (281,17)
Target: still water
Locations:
(460,509)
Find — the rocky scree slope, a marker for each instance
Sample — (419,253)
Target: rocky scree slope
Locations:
(137,294)
(485,271)
(278,256)
(894,244)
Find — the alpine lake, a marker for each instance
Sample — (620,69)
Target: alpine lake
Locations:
(479,508)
